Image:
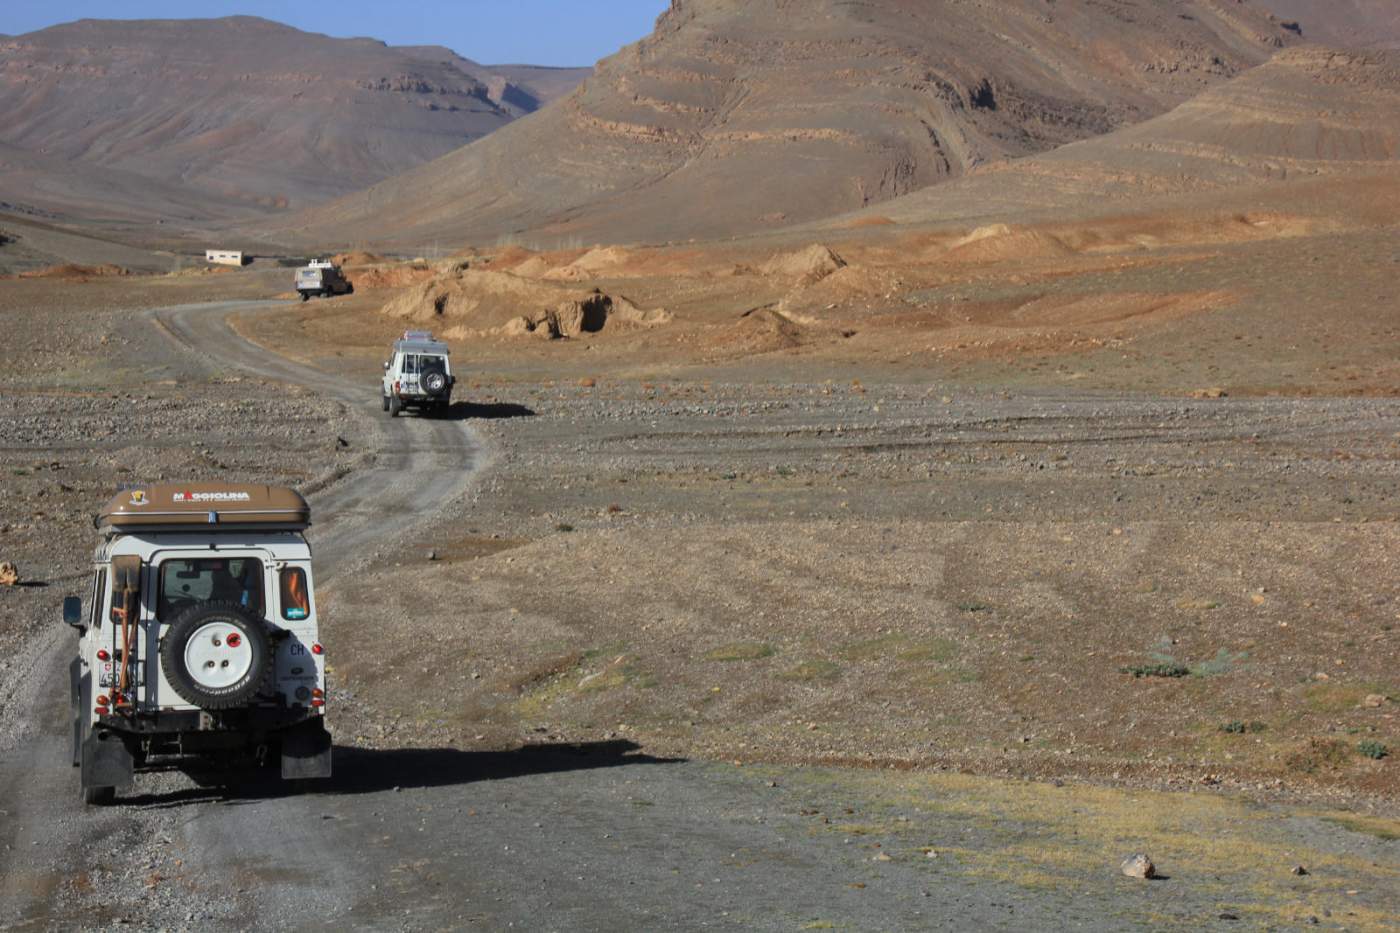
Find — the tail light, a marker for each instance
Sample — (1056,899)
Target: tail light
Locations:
(318,703)
(102,700)
(102,655)
(317,649)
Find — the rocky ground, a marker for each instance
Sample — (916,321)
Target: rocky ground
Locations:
(1162,592)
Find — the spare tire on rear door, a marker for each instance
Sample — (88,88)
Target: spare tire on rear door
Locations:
(434,383)
(216,655)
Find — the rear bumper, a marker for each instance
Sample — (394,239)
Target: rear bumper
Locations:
(256,720)
(422,398)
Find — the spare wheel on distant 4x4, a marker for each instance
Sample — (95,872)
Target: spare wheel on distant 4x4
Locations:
(216,655)
(434,383)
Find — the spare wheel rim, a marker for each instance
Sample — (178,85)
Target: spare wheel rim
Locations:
(218,655)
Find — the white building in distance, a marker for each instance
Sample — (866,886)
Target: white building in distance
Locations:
(223,257)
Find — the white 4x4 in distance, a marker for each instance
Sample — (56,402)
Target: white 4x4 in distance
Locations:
(201,637)
(419,375)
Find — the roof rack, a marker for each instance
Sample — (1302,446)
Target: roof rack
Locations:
(421,341)
(202,505)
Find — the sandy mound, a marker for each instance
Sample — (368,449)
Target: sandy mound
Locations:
(357,257)
(603,259)
(812,264)
(845,286)
(998,243)
(75,272)
(393,276)
(533,268)
(472,302)
(510,257)
(597,261)
(760,330)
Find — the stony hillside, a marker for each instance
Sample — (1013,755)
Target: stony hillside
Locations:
(517,89)
(741,116)
(1310,113)
(238,110)
(1359,23)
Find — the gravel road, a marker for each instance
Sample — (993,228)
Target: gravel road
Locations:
(556,835)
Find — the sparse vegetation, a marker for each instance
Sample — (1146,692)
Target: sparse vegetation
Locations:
(741,651)
(812,671)
(1387,830)
(901,648)
(1238,727)
(1319,755)
(1372,749)
(1156,670)
(1330,697)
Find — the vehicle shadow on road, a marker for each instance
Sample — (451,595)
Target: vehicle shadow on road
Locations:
(369,771)
(487,411)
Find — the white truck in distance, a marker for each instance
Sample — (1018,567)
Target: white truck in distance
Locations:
(201,636)
(323,278)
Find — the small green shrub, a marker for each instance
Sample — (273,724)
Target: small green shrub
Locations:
(1239,728)
(1372,749)
(1156,670)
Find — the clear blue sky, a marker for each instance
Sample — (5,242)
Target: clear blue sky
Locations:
(493,32)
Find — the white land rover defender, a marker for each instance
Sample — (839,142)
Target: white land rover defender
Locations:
(201,636)
(418,376)
(324,278)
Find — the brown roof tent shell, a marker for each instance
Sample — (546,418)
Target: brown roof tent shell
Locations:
(205,504)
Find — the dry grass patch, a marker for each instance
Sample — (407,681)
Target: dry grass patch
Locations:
(812,671)
(741,651)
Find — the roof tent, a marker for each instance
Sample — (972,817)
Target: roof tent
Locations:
(197,506)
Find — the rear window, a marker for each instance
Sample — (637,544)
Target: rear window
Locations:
(295,594)
(415,363)
(184,583)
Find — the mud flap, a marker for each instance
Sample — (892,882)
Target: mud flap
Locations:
(306,752)
(107,762)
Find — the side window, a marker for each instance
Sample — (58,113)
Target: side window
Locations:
(296,596)
(99,590)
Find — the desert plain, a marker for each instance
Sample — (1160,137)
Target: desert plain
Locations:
(935,552)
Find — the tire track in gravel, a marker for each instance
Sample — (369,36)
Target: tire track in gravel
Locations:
(48,841)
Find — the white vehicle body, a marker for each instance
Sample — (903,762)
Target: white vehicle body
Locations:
(201,634)
(418,375)
(324,278)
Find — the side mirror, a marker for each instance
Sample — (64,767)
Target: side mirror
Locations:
(386,367)
(73,611)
